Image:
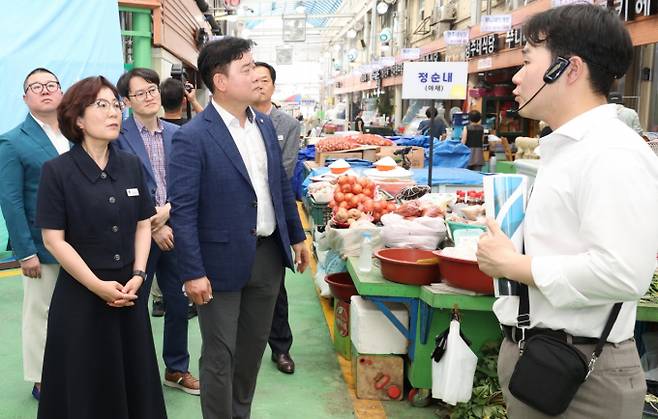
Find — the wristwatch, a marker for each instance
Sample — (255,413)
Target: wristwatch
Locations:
(140,273)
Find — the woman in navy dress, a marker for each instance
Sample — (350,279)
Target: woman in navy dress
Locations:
(93,208)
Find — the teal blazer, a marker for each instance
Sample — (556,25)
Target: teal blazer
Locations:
(23,151)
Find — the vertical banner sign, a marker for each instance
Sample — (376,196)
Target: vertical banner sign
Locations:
(495,23)
(434,80)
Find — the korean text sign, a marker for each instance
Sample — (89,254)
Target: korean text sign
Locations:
(434,80)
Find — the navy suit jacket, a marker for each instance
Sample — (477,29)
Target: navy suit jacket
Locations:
(130,140)
(23,151)
(214,204)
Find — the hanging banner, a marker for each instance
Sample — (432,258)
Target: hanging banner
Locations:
(495,23)
(387,61)
(410,53)
(456,37)
(434,80)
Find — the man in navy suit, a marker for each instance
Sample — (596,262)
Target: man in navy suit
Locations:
(148,137)
(235,218)
(23,151)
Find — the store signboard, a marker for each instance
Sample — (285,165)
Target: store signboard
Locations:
(630,9)
(410,53)
(456,37)
(495,23)
(434,80)
(515,38)
(482,46)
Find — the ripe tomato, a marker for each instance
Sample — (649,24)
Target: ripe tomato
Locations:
(348,196)
(357,188)
(342,180)
(342,205)
(332,203)
(346,187)
(354,200)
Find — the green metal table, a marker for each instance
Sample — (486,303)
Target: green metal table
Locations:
(430,313)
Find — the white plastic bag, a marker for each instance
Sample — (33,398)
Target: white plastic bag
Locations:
(347,241)
(452,376)
(420,233)
(322,285)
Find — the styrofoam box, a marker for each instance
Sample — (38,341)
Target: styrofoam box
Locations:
(372,332)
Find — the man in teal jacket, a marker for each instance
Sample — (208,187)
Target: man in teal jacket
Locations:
(23,150)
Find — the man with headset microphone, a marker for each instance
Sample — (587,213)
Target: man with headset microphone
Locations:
(590,231)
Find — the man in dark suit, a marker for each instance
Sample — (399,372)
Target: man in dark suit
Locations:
(235,218)
(23,151)
(146,136)
(287,130)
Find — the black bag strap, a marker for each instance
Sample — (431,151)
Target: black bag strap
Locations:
(523,320)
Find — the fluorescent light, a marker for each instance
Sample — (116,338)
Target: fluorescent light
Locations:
(382,8)
(300,8)
(351,34)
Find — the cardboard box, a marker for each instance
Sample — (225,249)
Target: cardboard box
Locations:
(364,153)
(342,342)
(378,377)
(416,156)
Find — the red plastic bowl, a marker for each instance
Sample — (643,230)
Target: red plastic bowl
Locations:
(464,274)
(400,265)
(341,285)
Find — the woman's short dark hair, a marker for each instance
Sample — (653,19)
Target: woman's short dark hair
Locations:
(74,103)
(474,116)
(123,85)
(216,56)
(595,34)
(431,112)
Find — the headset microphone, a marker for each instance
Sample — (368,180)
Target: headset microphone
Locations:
(550,76)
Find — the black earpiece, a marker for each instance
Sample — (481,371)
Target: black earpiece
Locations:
(556,70)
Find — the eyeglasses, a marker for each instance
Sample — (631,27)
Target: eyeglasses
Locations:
(106,106)
(37,88)
(141,95)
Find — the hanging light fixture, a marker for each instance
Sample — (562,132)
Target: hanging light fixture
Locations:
(300,8)
(351,34)
(382,8)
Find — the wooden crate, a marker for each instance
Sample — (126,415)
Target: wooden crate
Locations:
(378,377)
(364,153)
(342,341)
(416,156)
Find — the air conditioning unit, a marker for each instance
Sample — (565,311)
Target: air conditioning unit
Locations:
(447,12)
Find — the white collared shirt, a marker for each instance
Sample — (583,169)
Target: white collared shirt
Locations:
(251,146)
(591,227)
(59,141)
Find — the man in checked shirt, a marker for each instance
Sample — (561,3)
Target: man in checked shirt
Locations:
(149,138)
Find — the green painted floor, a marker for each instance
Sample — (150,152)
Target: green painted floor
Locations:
(316,390)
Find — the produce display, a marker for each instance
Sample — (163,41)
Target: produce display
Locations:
(417,208)
(339,143)
(354,197)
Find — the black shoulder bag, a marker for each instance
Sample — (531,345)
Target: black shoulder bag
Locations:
(550,370)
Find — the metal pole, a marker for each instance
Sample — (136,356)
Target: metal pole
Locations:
(431,159)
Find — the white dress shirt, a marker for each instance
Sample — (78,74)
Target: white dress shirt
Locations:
(59,141)
(591,227)
(251,146)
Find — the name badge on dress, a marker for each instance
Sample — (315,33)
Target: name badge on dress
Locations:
(132,192)
(280,137)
